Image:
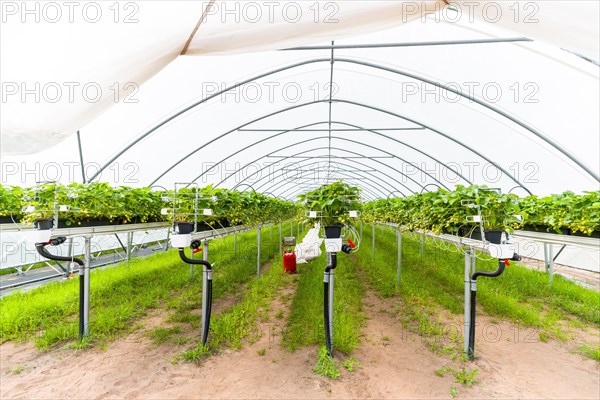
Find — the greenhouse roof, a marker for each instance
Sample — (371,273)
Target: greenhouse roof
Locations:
(394,97)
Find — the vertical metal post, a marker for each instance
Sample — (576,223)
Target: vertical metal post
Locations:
(399,244)
(271,232)
(86,285)
(56,213)
(467,310)
(297,230)
(422,244)
(70,253)
(361,226)
(280,237)
(129,243)
(204,290)
(81,158)
(331,276)
(549,261)
(258,251)
(291,227)
(192,266)
(373,242)
(168,240)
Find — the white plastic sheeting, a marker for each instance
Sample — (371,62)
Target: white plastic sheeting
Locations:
(16,250)
(310,247)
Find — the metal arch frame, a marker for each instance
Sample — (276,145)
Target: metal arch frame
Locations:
(359,104)
(289,197)
(374,189)
(490,107)
(368,107)
(366,190)
(334,148)
(374,131)
(439,133)
(376,181)
(429,184)
(279,184)
(303,163)
(306,151)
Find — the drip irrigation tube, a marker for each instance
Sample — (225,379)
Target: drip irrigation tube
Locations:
(206,288)
(41,249)
(327,304)
(501,266)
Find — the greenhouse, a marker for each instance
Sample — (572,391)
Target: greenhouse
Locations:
(351,199)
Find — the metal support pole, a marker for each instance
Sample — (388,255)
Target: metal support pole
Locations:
(422,244)
(549,261)
(86,286)
(373,242)
(467,311)
(361,226)
(70,253)
(192,256)
(331,276)
(82,165)
(399,244)
(297,230)
(258,251)
(280,237)
(129,243)
(205,278)
(291,227)
(271,232)
(168,241)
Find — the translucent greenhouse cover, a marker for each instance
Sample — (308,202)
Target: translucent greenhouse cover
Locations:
(166,92)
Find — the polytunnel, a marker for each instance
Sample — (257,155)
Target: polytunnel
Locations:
(396,100)
(401,99)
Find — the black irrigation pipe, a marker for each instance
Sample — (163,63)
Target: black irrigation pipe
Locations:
(326,306)
(41,249)
(206,306)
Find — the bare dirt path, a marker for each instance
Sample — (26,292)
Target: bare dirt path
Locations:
(396,364)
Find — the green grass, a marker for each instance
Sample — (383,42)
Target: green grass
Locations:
(590,351)
(121,295)
(305,327)
(326,365)
(160,335)
(239,324)
(435,281)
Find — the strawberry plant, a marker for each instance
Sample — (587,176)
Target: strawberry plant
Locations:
(333,202)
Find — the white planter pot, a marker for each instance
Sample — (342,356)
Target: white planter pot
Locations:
(38,236)
(502,251)
(333,245)
(180,241)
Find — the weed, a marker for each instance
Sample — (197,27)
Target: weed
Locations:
(351,364)
(453,392)
(261,352)
(590,351)
(162,335)
(441,372)
(466,377)
(17,369)
(196,354)
(326,365)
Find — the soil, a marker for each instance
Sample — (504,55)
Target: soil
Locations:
(395,364)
